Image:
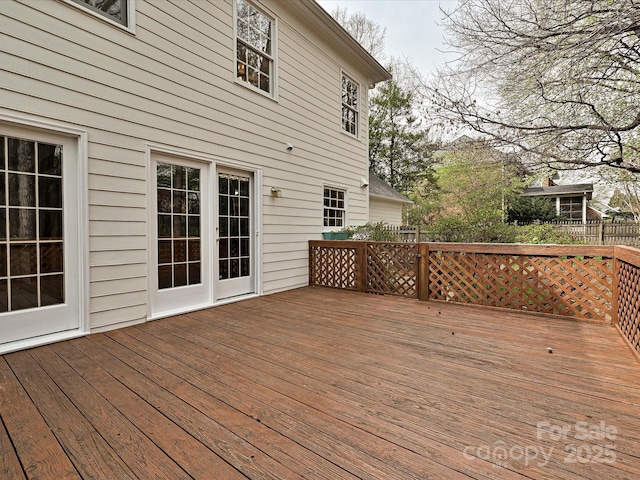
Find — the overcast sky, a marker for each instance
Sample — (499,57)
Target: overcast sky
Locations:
(412,27)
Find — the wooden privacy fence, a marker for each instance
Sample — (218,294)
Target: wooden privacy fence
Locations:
(593,232)
(594,283)
(601,232)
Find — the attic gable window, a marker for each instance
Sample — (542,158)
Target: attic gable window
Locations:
(349,106)
(254,47)
(116,10)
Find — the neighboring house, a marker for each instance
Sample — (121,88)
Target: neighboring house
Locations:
(385,202)
(165,156)
(570,200)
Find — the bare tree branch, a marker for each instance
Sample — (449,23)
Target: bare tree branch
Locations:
(556,80)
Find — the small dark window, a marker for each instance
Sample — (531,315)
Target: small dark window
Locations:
(334,207)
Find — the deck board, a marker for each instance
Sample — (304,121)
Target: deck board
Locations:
(327,384)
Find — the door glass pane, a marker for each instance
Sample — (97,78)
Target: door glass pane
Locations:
(49,159)
(234,220)
(50,192)
(23,259)
(51,257)
(22,190)
(31,225)
(4,300)
(24,293)
(178,214)
(52,287)
(22,155)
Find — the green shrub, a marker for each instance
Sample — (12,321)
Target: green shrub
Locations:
(542,234)
(374,232)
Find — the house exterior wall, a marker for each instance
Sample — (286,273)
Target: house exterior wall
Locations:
(170,85)
(381,210)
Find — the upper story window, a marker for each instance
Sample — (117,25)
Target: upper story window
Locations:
(349,105)
(116,10)
(254,47)
(334,207)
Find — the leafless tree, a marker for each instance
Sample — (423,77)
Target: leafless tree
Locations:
(366,32)
(557,80)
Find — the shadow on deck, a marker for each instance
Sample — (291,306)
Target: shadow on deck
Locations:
(324,383)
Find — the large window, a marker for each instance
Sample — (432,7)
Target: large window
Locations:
(31,225)
(571,208)
(334,207)
(349,105)
(115,10)
(254,47)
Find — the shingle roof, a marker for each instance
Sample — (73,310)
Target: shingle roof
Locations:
(380,188)
(557,190)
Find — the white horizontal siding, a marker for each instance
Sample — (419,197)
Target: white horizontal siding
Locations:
(172,84)
(385,211)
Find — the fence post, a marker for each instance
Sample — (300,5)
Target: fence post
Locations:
(361,262)
(601,232)
(615,287)
(312,276)
(423,271)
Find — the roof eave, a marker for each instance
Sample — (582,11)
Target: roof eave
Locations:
(390,199)
(377,73)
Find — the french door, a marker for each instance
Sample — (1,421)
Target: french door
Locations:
(181,277)
(235,234)
(203,234)
(39,241)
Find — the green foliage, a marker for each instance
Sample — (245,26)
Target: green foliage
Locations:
(531,209)
(399,152)
(426,206)
(374,232)
(474,186)
(456,229)
(538,233)
(476,190)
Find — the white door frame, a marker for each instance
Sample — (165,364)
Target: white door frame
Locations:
(213,164)
(233,287)
(76,230)
(174,300)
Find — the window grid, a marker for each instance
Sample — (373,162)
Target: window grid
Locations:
(31,225)
(334,207)
(349,105)
(115,10)
(179,197)
(234,226)
(254,57)
(571,208)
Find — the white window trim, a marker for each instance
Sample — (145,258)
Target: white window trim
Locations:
(346,207)
(273,95)
(359,112)
(131,15)
(82,219)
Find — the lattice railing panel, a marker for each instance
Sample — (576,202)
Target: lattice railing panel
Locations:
(572,286)
(334,266)
(629,303)
(392,269)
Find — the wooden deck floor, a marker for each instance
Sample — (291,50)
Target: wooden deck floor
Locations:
(322,383)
